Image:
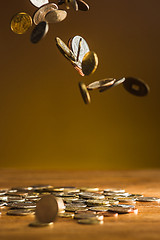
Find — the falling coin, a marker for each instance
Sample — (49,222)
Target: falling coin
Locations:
(89,63)
(83,6)
(136,86)
(39,32)
(101,84)
(55,16)
(39,3)
(21,22)
(64,49)
(84,93)
(74,4)
(40,14)
(115,83)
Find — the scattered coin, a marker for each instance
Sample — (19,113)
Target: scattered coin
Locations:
(40,224)
(99,208)
(114,84)
(90,221)
(147,199)
(136,86)
(84,92)
(93,202)
(88,216)
(21,22)
(108,214)
(74,4)
(39,32)
(20,212)
(39,3)
(89,189)
(89,63)
(114,190)
(64,49)
(3,191)
(40,14)
(55,16)
(104,83)
(66,215)
(22,205)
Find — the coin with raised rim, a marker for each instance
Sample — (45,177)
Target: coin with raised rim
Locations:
(136,86)
(21,22)
(64,49)
(89,63)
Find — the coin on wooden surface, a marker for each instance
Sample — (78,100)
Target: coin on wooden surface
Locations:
(55,16)
(74,4)
(20,212)
(40,224)
(21,22)
(136,86)
(39,15)
(84,93)
(39,3)
(90,221)
(89,63)
(39,32)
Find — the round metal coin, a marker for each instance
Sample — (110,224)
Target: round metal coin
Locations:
(83,6)
(89,63)
(20,212)
(55,16)
(21,22)
(136,86)
(84,92)
(39,3)
(74,4)
(39,32)
(104,83)
(64,49)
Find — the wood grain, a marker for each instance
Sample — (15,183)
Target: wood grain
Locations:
(145,225)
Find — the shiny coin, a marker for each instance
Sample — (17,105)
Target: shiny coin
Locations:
(39,32)
(55,16)
(3,204)
(89,189)
(74,208)
(20,212)
(40,14)
(99,208)
(15,199)
(42,187)
(40,224)
(74,4)
(64,49)
(114,84)
(39,3)
(84,92)
(90,221)
(21,22)
(88,216)
(148,199)
(113,190)
(93,202)
(101,84)
(47,209)
(83,6)
(22,205)
(90,195)
(125,200)
(89,63)
(108,214)
(136,86)
(66,215)
(3,191)
(3,198)
(120,209)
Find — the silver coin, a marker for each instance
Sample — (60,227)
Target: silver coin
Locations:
(113,190)
(84,93)
(22,205)
(39,15)
(55,16)
(99,208)
(39,3)
(108,82)
(136,86)
(93,202)
(115,83)
(88,216)
(3,191)
(39,32)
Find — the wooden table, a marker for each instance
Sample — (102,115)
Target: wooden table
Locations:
(145,225)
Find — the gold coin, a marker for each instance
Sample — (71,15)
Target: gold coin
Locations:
(21,22)
(64,49)
(89,63)
(84,93)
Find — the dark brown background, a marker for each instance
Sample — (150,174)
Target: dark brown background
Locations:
(43,120)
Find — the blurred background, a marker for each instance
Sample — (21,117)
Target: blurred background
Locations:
(44,123)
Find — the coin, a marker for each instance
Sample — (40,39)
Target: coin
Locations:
(93,202)
(74,208)
(39,15)
(64,49)
(148,199)
(84,92)
(20,212)
(89,189)
(114,190)
(120,209)
(22,205)
(114,84)
(74,4)
(39,32)
(136,86)
(21,22)
(101,84)
(55,16)
(88,216)
(90,221)
(78,69)
(99,208)
(89,63)
(3,191)
(83,6)
(66,215)
(40,224)
(108,214)
(39,3)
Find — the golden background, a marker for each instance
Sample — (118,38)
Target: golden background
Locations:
(43,120)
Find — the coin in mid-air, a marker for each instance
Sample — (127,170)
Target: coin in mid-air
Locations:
(115,83)
(84,93)
(136,86)
(64,49)
(21,22)
(39,32)
(108,82)
(83,6)
(89,63)
(55,16)
(40,14)
(39,3)
(74,4)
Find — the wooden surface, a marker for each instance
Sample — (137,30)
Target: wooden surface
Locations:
(145,225)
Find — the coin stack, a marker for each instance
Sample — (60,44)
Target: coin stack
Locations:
(86,205)
(77,51)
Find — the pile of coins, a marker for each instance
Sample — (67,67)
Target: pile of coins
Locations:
(87,205)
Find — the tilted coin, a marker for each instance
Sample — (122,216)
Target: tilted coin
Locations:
(148,199)
(64,49)
(40,224)
(136,86)
(3,191)
(20,212)
(39,3)
(4,198)
(90,221)
(89,63)
(88,216)
(21,22)
(75,208)
(55,16)
(22,205)
(84,92)
(93,202)
(39,32)
(120,209)
(83,6)
(115,83)
(125,199)
(40,14)
(101,84)
(47,209)
(108,214)
(90,195)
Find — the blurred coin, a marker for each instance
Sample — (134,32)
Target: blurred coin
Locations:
(90,221)
(99,208)
(148,199)
(40,187)
(74,4)
(89,63)
(120,209)
(83,6)
(108,214)
(66,215)
(88,216)
(40,224)
(55,16)
(84,92)
(3,198)
(39,3)
(15,199)
(115,83)
(93,202)
(20,212)
(39,15)
(114,190)
(3,191)
(89,189)
(22,205)
(21,22)
(39,32)
(90,195)
(101,84)
(136,86)
(78,69)
(64,49)
(47,209)
(3,204)
(74,208)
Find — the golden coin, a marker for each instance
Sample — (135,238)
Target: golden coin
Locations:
(64,49)
(21,22)
(84,93)
(89,63)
